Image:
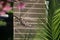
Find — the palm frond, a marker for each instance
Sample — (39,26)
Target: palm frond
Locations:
(51,33)
(55,24)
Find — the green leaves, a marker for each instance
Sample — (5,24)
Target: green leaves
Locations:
(11,11)
(51,32)
(51,29)
(2,23)
(56,24)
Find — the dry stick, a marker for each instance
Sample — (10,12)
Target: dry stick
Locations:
(16,17)
(20,19)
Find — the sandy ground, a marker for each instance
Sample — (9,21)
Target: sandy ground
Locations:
(26,19)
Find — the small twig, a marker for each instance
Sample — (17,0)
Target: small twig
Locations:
(16,17)
(21,21)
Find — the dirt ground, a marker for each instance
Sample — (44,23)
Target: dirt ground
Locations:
(25,20)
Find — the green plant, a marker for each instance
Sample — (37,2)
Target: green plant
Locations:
(51,29)
(2,23)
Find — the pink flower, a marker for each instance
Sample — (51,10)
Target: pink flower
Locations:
(2,12)
(7,8)
(21,5)
(1,2)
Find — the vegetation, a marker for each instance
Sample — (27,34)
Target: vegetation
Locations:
(2,23)
(52,26)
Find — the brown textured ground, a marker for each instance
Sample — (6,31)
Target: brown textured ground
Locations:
(30,14)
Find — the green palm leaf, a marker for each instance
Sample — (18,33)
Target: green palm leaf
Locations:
(56,26)
(51,32)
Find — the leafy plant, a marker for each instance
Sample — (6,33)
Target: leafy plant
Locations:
(2,23)
(51,29)
(50,32)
